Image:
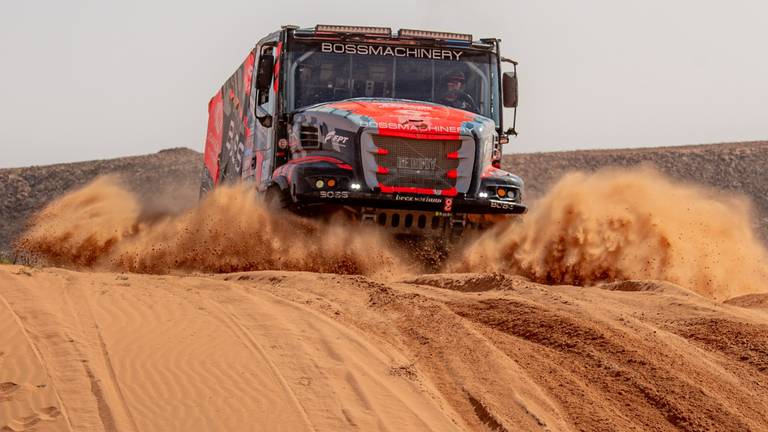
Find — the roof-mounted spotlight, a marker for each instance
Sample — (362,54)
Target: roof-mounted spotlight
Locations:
(378,31)
(424,34)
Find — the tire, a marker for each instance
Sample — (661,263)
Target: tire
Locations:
(276,198)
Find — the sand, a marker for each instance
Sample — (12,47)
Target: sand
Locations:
(623,301)
(280,350)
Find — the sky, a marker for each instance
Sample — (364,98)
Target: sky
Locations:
(82,80)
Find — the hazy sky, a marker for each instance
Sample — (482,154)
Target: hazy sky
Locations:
(97,79)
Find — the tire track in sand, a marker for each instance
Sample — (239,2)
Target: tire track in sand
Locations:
(80,305)
(331,368)
(8,282)
(253,384)
(233,322)
(218,311)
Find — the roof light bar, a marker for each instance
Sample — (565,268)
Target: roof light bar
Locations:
(383,31)
(423,34)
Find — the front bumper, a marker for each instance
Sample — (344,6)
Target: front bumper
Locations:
(396,201)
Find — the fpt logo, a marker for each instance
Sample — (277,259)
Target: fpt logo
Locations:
(338,142)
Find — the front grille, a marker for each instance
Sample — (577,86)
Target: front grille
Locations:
(416,163)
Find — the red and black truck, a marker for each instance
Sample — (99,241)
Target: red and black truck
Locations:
(401,128)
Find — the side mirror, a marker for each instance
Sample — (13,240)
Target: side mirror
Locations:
(264,117)
(264,71)
(510,89)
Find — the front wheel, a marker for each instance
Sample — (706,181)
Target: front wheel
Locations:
(276,198)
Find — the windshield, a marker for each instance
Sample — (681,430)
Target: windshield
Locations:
(331,71)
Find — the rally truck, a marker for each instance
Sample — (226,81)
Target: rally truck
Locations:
(403,129)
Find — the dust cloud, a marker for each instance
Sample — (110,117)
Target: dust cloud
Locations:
(590,228)
(629,224)
(102,226)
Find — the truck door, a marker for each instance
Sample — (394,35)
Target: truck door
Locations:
(261,157)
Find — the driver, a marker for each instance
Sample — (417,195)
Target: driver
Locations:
(454,95)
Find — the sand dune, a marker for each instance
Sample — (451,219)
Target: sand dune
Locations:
(305,351)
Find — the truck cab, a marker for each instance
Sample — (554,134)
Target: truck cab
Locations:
(401,128)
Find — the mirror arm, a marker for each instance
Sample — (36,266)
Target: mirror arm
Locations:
(507,60)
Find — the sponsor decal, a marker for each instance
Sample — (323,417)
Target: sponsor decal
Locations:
(419,120)
(334,194)
(338,142)
(424,199)
(390,51)
(418,127)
